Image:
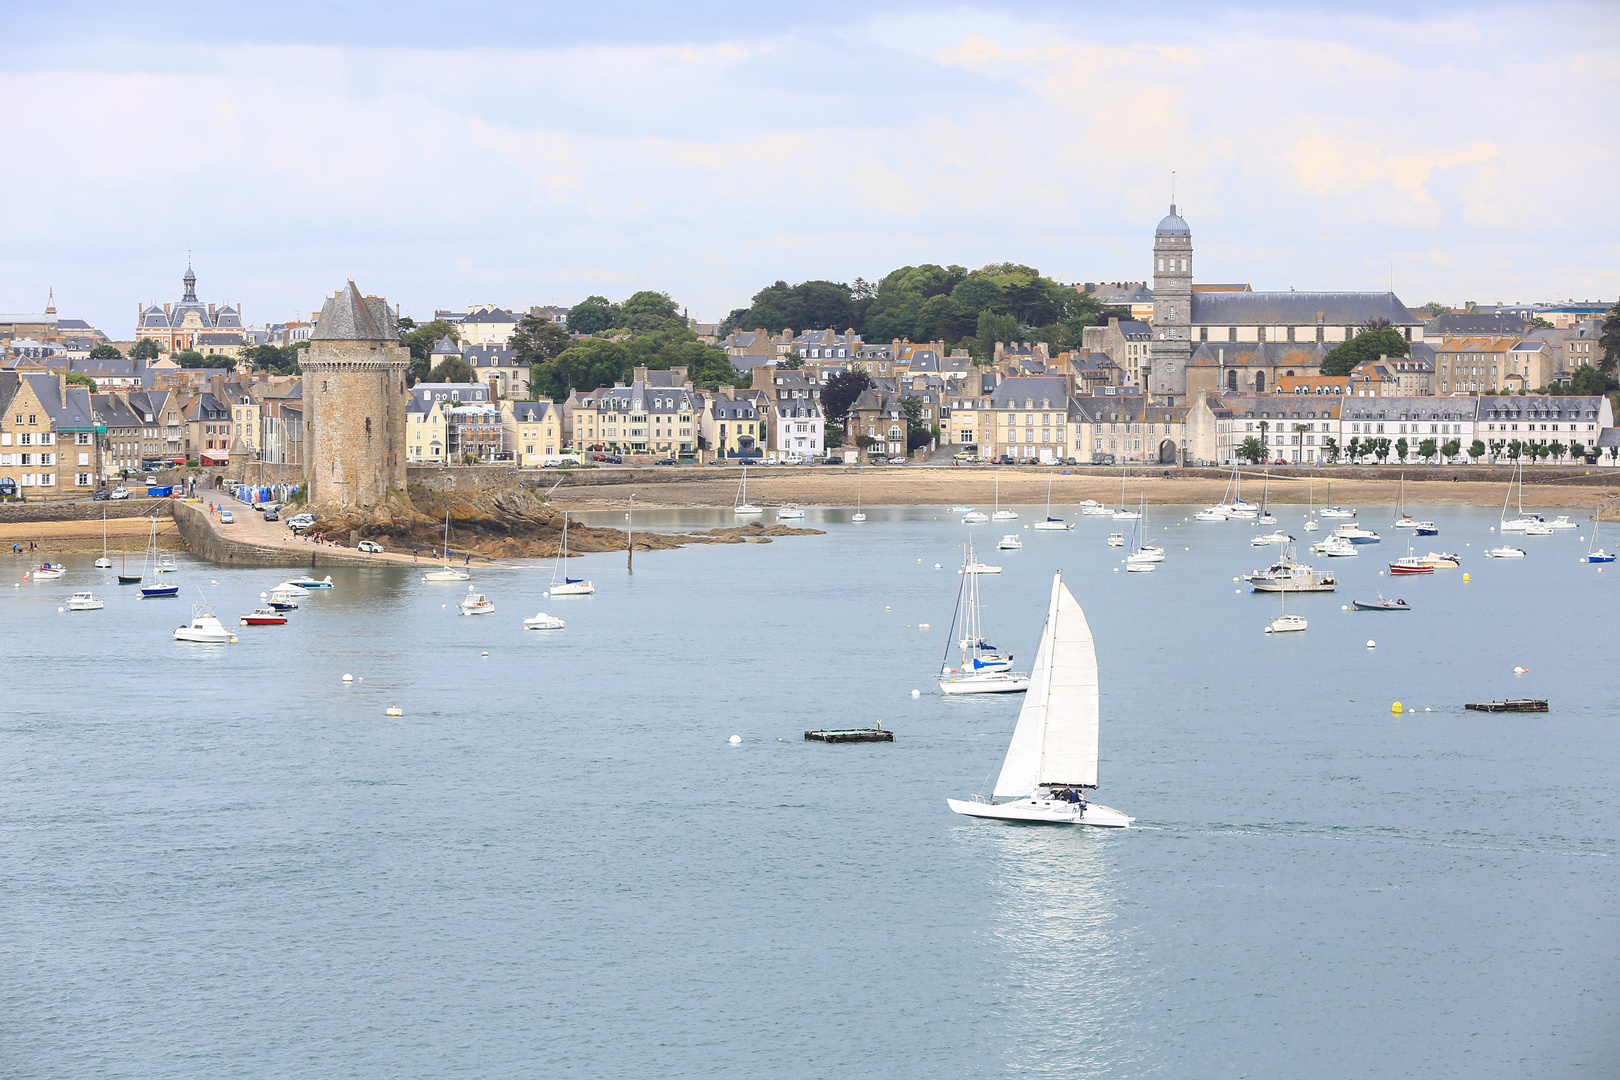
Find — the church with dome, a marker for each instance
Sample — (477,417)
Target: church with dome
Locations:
(1231,339)
(191,324)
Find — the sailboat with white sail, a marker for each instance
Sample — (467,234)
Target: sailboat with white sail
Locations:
(1053,755)
(446,572)
(982,668)
(1052,524)
(567,586)
(741,506)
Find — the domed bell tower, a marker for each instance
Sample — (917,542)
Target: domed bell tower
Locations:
(1171,346)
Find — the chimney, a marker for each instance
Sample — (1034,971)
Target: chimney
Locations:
(493,393)
(166,309)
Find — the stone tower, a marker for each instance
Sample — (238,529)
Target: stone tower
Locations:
(354,401)
(1171,346)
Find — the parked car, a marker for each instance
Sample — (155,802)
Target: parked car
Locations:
(150,480)
(666,461)
(271,515)
(369,546)
(300,522)
(717,461)
(101,495)
(898,461)
(833,461)
(227,518)
(119,493)
(611,459)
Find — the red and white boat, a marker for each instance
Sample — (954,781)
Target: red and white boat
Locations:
(265,616)
(1411,565)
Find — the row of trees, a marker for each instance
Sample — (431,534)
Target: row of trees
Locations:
(1255,451)
(969,309)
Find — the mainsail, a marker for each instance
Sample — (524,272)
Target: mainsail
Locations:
(1055,741)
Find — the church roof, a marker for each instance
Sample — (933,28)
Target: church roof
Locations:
(1251,353)
(1298,308)
(348,316)
(1172,225)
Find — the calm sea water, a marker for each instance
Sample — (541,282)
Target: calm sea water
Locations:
(222,861)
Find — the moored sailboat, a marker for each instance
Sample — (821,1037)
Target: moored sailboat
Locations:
(446,572)
(1052,524)
(568,586)
(1052,757)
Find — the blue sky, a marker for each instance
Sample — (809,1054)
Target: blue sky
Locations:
(525,154)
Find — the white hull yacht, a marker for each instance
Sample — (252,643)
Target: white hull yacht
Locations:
(981,667)
(567,586)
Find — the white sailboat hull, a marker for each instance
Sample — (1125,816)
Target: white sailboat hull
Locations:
(975,518)
(578,588)
(1004,515)
(447,575)
(1051,526)
(1038,811)
(985,682)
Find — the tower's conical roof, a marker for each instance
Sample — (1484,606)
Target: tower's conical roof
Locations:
(1172,225)
(348,316)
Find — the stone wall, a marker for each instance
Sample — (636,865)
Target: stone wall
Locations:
(204,540)
(85,510)
(483,479)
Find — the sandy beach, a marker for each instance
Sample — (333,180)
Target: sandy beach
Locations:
(913,485)
(123,534)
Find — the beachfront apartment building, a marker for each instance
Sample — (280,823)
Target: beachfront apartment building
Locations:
(533,431)
(1542,419)
(1122,428)
(1025,418)
(424,431)
(1294,428)
(644,418)
(731,427)
(50,436)
(1415,419)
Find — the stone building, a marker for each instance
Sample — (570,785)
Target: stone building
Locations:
(184,325)
(354,401)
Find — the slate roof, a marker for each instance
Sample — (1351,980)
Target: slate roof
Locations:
(114,413)
(530,412)
(465,392)
(1253,353)
(1282,406)
(488,355)
(1172,225)
(1450,409)
(348,316)
(1539,407)
(1019,393)
(495,316)
(1298,309)
(1476,322)
(1122,292)
(446,346)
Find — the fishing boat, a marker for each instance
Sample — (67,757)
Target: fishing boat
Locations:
(103,563)
(1052,757)
(740,505)
(446,572)
(1381,604)
(1116,539)
(280,600)
(157,589)
(789,512)
(1286,575)
(204,627)
(1285,623)
(1123,513)
(1310,506)
(1595,554)
(1410,565)
(981,667)
(1403,520)
(999,514)
(542,621)
(265,616)
(1010,542)
(1052,524)
(84,601)
(308,583)
(1335,547)
(567,586)
(48,571)
(1504,552)
(1276,536)
(1356,534)
(475,603)
(860,515)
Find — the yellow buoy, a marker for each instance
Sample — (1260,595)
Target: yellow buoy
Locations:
(1466,577)
(1397,708)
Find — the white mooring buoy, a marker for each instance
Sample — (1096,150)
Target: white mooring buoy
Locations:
(735,740)
(347,677)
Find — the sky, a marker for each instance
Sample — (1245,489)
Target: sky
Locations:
(518,154)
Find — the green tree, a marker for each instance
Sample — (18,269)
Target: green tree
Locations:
(840,393)
(646,311)
(1587,381)
(791,362)
(106,352)
(1476,450)
(1355,449)
(1451,449)
(809,305)
(420,340)
(585,365)
(1435,309)
(1365,346)
(1513,449)
(1252,450)
(79,378)
(1330,449)
(1614,454)
(1538,323)
(452,369)
(1577,451)
(592,315)
(190,358)
(1609,341)
(991,329)
(1401,447)
(534,341)
(1380,449)
(144,349)
(1428,448)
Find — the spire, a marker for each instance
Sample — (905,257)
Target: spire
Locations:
(190,281)
(50,305)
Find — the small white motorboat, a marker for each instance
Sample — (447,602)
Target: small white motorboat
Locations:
(1095,509)
(975,517)
(979,568)
(1356,534)
(1135,564)
(1277,536)
(280,600)
(1442,560)
(84,601)
(958,509)
(103,563)
(1338,512)
(789,512)
(204,627)
(1210,513)
(447,573)
(1002,515)
(47,571)
(1560,522)
(1536,528)
(1116,539)
(1504,553)
(476,603)
(542,621)
(166,565)
(1286,624)
(312,583)
(1335,547)
(1010,542)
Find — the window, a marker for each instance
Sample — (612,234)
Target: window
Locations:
(1231,333)
(1203,335)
